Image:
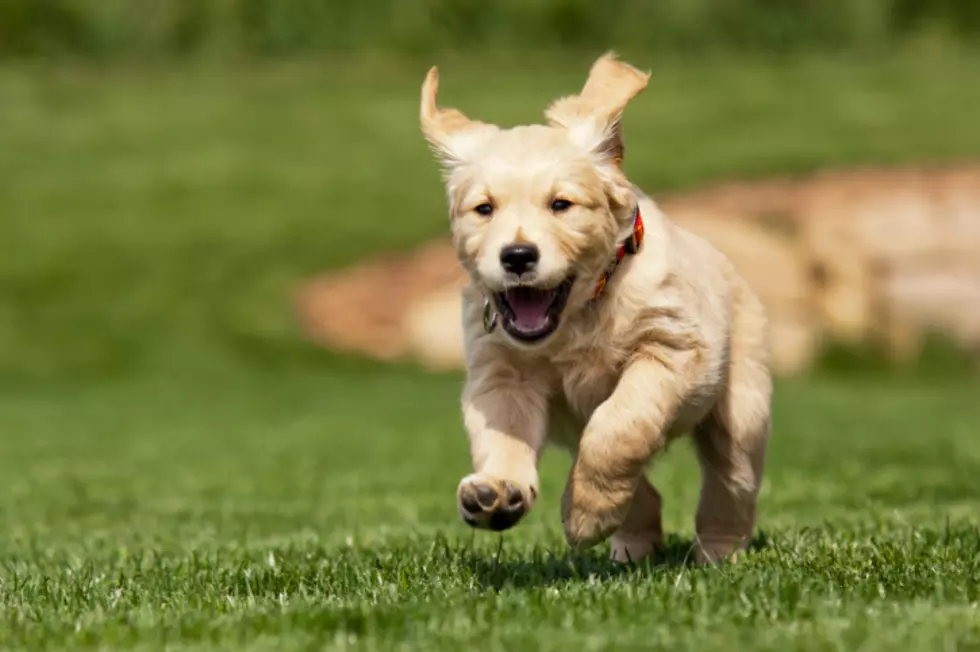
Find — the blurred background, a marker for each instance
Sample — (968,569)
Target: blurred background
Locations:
(190,183)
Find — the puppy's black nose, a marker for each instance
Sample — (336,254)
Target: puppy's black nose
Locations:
(519,258)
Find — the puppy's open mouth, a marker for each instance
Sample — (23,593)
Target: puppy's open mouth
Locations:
(531,314)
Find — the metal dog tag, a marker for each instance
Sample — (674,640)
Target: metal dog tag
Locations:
(489,316)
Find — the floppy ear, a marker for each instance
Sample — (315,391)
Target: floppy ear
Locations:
(451,134)
(593,117)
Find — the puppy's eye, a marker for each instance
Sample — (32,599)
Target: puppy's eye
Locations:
(485,209)
(560,205)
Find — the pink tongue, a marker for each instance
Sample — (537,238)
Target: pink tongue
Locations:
(530,307)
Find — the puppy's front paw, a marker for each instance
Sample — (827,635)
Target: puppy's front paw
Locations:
(493,504)
(590,514)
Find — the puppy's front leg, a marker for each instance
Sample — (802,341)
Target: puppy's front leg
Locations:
(505,413)
(620,439)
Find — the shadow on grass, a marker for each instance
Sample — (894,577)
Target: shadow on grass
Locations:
(544,568)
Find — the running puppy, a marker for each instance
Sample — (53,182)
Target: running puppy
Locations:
(593,322)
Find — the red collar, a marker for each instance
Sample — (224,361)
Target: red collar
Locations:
(629,246)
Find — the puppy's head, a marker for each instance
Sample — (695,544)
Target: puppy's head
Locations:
(537,211)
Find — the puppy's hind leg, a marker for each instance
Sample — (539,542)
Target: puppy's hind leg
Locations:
(642,531)
(731,447)
(731,467)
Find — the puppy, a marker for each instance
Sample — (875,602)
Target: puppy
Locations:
(594,323)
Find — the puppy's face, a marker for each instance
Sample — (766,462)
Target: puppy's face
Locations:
(533,224)
(538,211)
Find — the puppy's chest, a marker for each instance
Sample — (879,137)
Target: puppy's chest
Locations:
(587,378)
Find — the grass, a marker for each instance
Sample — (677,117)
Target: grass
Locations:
(179,472)
(316,510)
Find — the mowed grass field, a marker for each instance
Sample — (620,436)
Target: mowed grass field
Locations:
(180,472)
(317,511)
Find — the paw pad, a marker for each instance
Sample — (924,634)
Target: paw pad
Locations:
(492,504)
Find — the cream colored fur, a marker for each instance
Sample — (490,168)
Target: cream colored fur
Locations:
(675,344)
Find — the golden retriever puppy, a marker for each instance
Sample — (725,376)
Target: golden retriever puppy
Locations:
(593,322)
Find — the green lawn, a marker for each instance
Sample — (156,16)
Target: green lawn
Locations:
(179,471)
(301,509)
